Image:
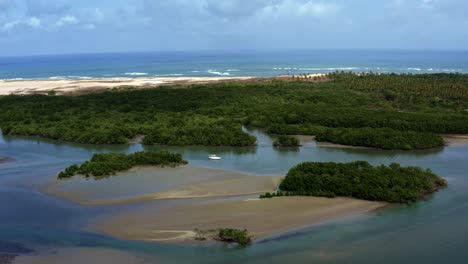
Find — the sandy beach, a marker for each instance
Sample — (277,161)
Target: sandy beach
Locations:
(81,256)
(261,217)
(78,86)
(455,140)
(152,183)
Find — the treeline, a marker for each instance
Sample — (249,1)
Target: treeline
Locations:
(285,141)
(213,114)
(360,180)
(219,133)
(106,164)
(385,138)
(448,90)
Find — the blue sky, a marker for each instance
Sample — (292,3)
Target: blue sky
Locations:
(61,26)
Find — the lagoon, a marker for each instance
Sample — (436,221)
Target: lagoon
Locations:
(431,231)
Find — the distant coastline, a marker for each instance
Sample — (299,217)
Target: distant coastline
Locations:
(69,86)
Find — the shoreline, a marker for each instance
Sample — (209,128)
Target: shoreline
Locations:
(455,140)
(78,86)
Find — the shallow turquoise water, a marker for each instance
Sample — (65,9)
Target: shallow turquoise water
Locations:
(432,231)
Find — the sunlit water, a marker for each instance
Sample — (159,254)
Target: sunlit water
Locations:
(432,231)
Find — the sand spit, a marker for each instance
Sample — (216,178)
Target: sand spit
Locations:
(262,217)
(78,86)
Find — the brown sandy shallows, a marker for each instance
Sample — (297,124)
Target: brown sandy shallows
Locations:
(262,218)
(76,86)
(81,256)
(149,183)
(455,140)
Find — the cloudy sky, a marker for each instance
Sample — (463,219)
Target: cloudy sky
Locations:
(83,26)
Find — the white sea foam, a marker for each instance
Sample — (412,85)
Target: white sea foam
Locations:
(319,69)
(219,73)
(342,69)
(136,73)
(169,74)
(310,69)
(79,77)
(233,70)
(14,79)
(195,71)
(57,77)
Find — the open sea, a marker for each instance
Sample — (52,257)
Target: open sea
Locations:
(232,63)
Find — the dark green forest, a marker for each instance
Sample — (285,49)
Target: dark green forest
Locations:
(286,141)
(384,111)
(107,164)
(360,180)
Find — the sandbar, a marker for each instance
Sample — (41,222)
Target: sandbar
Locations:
(261,217)
(151,183)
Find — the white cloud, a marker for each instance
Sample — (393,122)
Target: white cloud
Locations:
(294,8)
(67,20)
(33,22)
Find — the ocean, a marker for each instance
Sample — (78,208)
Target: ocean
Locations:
(230,63)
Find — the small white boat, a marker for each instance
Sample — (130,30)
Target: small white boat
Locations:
(214,157)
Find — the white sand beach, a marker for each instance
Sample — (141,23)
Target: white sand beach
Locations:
(71,86)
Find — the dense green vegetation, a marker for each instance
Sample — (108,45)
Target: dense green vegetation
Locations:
(360,180)
(230,235)
(390,106)
(285,141)
(385,138)
(106,164)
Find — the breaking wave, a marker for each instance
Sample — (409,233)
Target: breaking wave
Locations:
(136,73)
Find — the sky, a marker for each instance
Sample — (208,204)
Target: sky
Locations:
(30,27)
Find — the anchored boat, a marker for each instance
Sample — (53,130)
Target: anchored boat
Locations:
(214,157)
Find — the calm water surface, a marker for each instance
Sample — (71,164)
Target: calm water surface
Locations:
(432,231)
